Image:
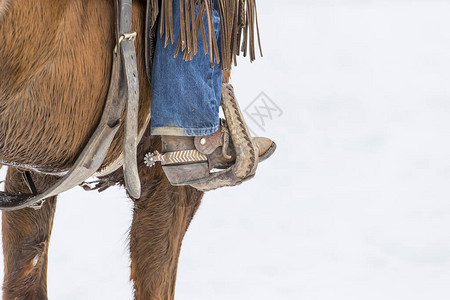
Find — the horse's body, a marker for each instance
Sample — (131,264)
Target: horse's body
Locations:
(55,64)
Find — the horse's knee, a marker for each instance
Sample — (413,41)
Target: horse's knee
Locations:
(25,251)
(26,235)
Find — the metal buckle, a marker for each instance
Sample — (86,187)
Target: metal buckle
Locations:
(129,36)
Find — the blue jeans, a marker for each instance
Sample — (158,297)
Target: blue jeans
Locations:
(186,95)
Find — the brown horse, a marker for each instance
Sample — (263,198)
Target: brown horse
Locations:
(55,65)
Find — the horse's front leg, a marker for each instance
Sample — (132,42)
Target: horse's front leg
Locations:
(26,235)
(161,218)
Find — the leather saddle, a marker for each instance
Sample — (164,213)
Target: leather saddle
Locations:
(123,93)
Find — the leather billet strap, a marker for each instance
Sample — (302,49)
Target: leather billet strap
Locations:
(128,51)
(123,91)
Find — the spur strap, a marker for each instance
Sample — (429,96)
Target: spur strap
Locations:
(123,76)
(176,157)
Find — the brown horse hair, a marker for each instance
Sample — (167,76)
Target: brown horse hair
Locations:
(4,5)
(55,64)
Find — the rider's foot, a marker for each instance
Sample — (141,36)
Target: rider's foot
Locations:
(190,160)
(186,158)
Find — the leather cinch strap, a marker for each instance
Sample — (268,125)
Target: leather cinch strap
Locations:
(123,91)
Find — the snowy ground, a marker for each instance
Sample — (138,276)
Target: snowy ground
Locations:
(355,203)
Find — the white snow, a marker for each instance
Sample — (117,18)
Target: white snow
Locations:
(354,205)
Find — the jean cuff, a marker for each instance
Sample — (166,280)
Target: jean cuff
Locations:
(178,131)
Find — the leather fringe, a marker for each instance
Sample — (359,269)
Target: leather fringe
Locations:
(239,27)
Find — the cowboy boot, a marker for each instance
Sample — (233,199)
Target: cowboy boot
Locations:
(183,163)
(190,160)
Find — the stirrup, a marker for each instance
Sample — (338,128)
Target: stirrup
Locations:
(192,167)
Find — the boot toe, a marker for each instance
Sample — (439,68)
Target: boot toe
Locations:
(266,149)
(263,145)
